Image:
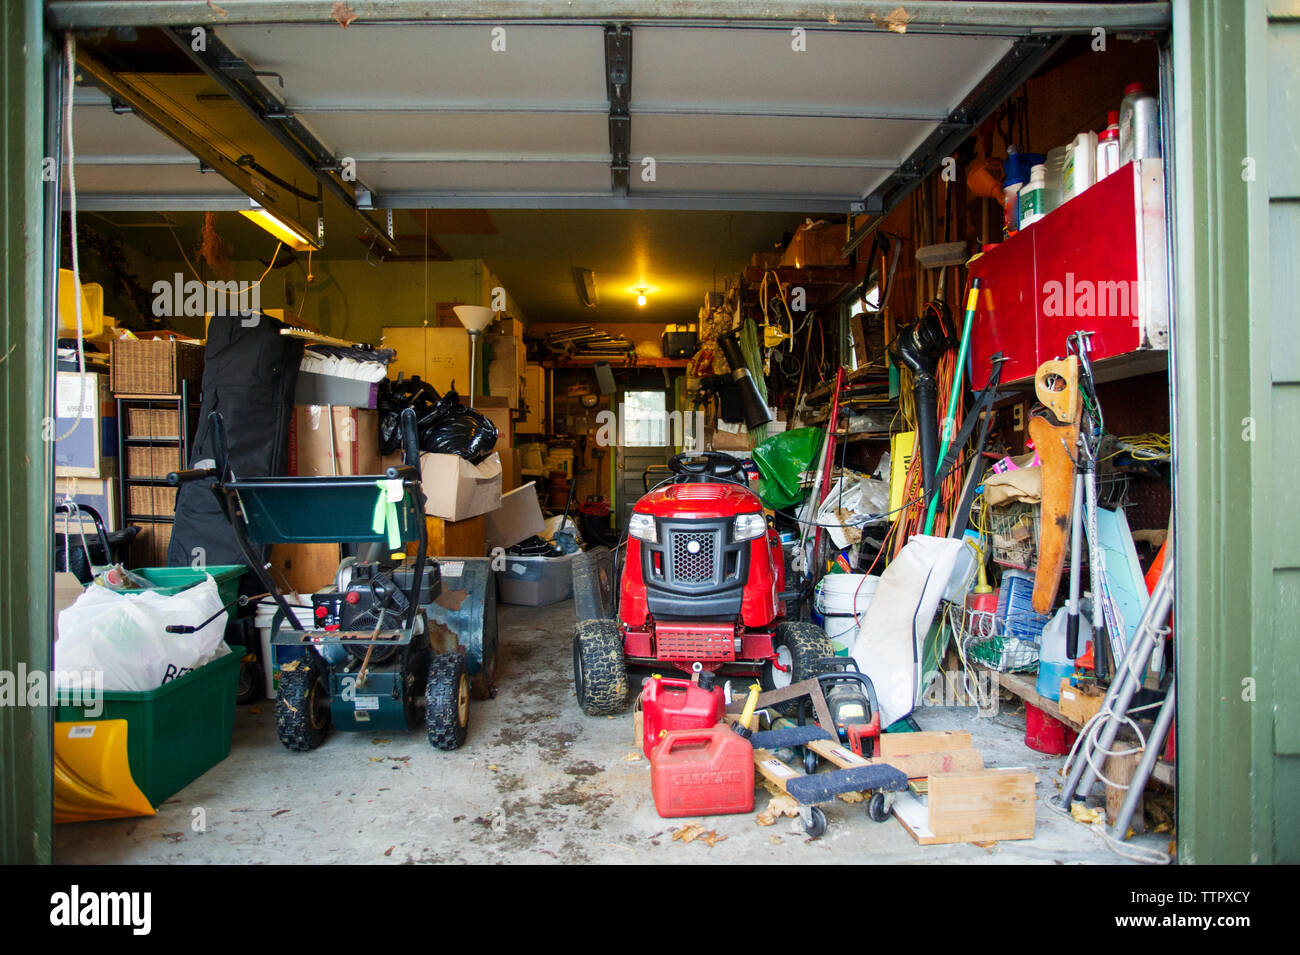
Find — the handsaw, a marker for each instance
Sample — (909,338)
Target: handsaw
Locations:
(1056,438)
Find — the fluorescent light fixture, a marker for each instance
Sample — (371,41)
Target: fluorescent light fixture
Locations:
(280,229)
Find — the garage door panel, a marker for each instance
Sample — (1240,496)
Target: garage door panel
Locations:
(118,179)
(98,131)
(909,73)
(427,64)
(735,179)
(368,135)
(521,178)
(665,136)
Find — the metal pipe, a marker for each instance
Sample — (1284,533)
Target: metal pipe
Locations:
(1150,754)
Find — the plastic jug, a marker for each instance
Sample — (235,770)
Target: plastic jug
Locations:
(1054,664)
(702,773)
(672,704)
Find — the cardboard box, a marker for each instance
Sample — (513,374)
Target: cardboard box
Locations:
(511,460)
(455,489)
(99,493)
(534,401)
(506,368)
(818,243)
(1080,703)
(89,450)
(327,441)
(507,326)
(518,518)
(765,260)
(721,440)
(496,408)
(440,356)
(306,568)
(465,538)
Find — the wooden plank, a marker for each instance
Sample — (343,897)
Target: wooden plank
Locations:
(921,765)
(1024,687)
(987,806)
(773,770)
(837,753)
(907,744)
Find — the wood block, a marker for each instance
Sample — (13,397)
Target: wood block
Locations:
(906,744)
(922,765)
(986,806)
(467,538)
(773,770)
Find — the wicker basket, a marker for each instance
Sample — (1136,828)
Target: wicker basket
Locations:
(149,548)
(155,367)
(151,500)
(151,423)
(153,462)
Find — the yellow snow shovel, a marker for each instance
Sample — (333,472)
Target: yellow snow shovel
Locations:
(92,776)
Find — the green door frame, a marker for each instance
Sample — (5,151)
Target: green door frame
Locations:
(1238,568)
(26,733)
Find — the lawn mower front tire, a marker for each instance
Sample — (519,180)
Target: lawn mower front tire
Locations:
(599,669)
(302,707)
(446,699)
(799,646)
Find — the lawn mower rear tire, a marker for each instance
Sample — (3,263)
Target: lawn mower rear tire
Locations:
(446,697)
(599,670)
(302,707)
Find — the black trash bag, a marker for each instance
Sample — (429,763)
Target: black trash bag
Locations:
(459,430)
(396,396)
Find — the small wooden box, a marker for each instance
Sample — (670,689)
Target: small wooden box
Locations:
(986,806)
(467,538)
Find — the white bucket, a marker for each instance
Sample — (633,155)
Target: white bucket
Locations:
(266,611)
(842,599)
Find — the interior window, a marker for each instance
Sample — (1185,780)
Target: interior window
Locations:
(645,416)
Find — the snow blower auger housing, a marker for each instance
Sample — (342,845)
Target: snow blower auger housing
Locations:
(702,582)
(370,660)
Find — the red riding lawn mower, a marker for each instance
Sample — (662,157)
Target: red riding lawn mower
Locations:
(702,581)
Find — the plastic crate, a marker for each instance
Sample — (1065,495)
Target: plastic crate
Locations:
(536,581)
(172,580)
(175,733)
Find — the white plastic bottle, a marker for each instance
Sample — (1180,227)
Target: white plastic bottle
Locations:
(1139,125)
(1054,663)
(1080,166)
(1033,197)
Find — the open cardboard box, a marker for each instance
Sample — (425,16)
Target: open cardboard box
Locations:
(455,489)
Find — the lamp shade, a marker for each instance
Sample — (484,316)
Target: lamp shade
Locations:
(475,318)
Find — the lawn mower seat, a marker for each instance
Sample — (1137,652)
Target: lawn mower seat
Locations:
(707,467)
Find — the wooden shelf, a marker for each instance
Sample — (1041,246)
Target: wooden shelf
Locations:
(1025,687)
(615,362)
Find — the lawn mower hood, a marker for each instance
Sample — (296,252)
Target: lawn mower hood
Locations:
(701,551)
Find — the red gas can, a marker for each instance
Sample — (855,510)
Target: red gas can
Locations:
(669,704)
(706,772)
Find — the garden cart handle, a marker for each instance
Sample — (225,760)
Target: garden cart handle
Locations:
(177,478)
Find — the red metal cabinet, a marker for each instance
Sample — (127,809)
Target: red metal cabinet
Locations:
(1097,263)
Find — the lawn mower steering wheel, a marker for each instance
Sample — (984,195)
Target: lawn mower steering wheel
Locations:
(704,465)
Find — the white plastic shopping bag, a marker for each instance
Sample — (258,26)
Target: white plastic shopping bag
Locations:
(124,636)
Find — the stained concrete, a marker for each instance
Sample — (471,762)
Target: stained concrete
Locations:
(536,782)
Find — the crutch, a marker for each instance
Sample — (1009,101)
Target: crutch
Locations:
(1127,679)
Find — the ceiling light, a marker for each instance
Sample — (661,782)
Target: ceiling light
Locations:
(640,296)
(280,229)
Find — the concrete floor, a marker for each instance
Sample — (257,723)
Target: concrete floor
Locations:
(537,782)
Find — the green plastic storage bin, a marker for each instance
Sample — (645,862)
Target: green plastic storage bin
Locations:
(172,580)
(175,733)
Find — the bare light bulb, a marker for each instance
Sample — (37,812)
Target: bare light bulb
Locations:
(640,299)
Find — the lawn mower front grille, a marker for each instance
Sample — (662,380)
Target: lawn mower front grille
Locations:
(694,557)
(695,643)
